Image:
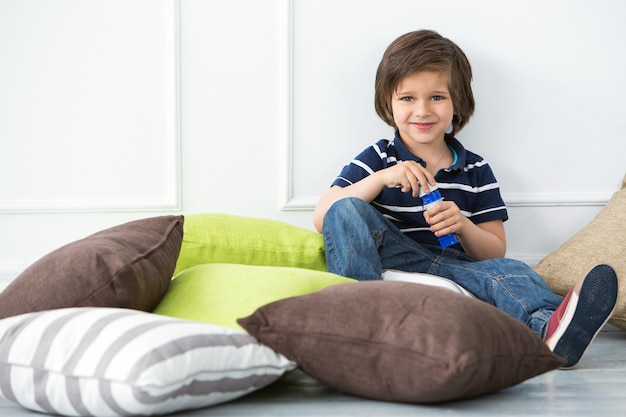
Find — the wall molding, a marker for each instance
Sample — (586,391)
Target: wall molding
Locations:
(290,201)
(556,199)
(10,269)
(172,198)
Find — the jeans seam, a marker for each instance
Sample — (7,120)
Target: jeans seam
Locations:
(497,281)
(419,249)
(330,250)
(378,234)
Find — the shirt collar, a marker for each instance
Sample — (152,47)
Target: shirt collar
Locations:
(404,154)
(460,152)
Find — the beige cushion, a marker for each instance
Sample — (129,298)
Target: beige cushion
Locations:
(603,240)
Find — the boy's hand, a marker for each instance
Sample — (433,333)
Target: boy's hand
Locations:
(445,218)
(407,175)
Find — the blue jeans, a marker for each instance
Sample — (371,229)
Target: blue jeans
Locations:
(361,243)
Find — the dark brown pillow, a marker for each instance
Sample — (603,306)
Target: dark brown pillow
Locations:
(403,342)
(128,266)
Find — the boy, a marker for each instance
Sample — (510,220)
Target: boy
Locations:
(372,218)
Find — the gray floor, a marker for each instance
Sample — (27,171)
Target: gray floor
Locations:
(596,387)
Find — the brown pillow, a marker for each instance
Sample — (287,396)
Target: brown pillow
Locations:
(128,266)
(603,240)
(400,341)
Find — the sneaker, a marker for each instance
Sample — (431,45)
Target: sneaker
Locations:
(583,312)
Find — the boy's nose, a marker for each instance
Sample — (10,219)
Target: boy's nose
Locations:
(421,109)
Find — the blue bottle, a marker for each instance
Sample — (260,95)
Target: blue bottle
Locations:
(430,200)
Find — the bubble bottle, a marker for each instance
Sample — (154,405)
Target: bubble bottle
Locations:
(430,200)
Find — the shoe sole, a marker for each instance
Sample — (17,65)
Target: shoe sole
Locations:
(596,303)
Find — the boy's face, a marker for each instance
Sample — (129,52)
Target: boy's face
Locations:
(422,109)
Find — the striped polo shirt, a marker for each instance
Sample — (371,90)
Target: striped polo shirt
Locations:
(469,182)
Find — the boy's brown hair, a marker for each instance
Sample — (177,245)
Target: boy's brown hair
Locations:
(425,50)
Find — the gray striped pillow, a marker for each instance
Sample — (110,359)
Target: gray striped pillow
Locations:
(107,361)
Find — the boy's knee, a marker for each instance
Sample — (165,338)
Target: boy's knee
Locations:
(346,210)
(347,205)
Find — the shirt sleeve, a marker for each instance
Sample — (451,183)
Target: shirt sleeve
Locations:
(372,159)
(488,204)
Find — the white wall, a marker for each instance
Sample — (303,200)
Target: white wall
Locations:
(113,110)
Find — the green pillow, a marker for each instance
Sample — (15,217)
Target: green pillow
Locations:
(222,293)
(226,238)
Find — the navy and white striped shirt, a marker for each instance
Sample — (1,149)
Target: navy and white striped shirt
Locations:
(469,182)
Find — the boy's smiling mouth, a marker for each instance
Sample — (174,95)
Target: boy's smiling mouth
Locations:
(423,126)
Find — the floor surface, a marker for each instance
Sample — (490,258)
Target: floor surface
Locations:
(596,387)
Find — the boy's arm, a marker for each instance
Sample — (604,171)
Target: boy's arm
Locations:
(484,240)
(406,175)
(480,241)
(366,190)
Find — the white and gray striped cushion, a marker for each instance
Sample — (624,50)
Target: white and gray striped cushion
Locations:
(112,362)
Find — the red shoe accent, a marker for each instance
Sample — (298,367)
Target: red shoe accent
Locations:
(561,318)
